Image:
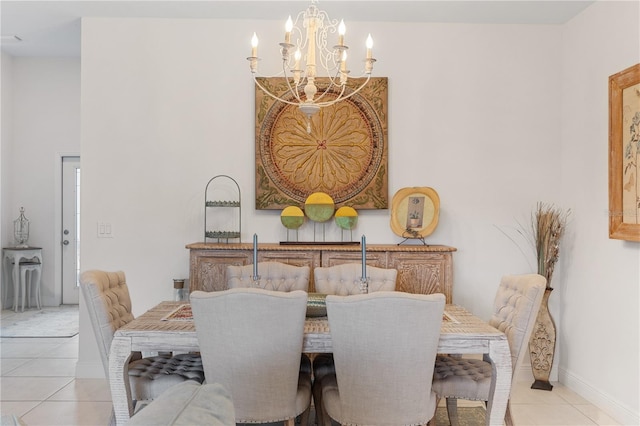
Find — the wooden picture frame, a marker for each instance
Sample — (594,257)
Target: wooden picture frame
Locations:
(624,154)
(415,212)
(342,151)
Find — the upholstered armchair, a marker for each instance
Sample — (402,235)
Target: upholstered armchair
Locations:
(250,340)
(515,309)
(384,347)
(345,279)
(274,276)
(109,304)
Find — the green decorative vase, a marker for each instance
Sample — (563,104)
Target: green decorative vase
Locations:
(542,345)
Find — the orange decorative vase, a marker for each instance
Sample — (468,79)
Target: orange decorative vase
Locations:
(542,345)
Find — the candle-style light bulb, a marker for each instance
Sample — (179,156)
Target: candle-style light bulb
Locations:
(369,46)
(297,57)
(341,30)
(288,26)
(254,45)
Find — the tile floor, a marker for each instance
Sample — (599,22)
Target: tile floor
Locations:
(38,385)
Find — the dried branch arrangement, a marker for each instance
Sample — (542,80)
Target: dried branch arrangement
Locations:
(548,223)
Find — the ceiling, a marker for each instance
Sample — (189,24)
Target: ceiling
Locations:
(52,28)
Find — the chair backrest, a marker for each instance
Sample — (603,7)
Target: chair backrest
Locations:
(345,279)
(384,349)
(274,276)
(515,310)
(109,304)
(250,341)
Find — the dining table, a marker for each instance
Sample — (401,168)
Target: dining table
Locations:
(169,327)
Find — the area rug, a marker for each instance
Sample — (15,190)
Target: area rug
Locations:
(48,322)
(467,416)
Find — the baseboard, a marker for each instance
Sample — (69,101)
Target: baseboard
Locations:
(89,370)
(621,413)
(525,374)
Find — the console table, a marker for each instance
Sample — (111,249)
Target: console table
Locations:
(421,269)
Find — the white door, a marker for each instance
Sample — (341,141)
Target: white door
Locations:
(70,230)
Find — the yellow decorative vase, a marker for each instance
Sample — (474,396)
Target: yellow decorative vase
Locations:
(542,345)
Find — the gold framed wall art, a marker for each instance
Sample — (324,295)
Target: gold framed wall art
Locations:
(624,154)
(342,153)
(415,212)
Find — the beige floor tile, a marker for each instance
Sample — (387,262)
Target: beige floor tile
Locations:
(46,367)
(568,395)
(17,408)
(549,415)
(9,364)
(84,390)
(463,403)
(31,388)
(37,340)
(521,393)
(62,413)
(22,349)
(66,350)
(594,413)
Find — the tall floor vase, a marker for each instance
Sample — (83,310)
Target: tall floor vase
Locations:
(542,345)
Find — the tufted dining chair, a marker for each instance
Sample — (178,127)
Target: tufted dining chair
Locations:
(515,309)
(261,334)
(109,304)
(384,347)
(344,280)
(274,276)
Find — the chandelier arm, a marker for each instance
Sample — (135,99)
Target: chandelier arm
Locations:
(324,104)
(326,90)
(292,89)
(337,99)
(276,97)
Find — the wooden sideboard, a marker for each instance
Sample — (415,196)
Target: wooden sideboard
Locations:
(421,269)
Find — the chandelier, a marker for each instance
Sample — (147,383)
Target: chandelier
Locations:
(309,34)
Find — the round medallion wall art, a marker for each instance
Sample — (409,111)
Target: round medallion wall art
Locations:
(342,151)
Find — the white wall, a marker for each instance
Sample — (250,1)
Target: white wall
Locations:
(599,289)
(45,122)
(6,137)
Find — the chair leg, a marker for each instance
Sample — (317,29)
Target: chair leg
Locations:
(432,421)
(316,389)
(304,417)
(508,419)
(452,411)
(290,422)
